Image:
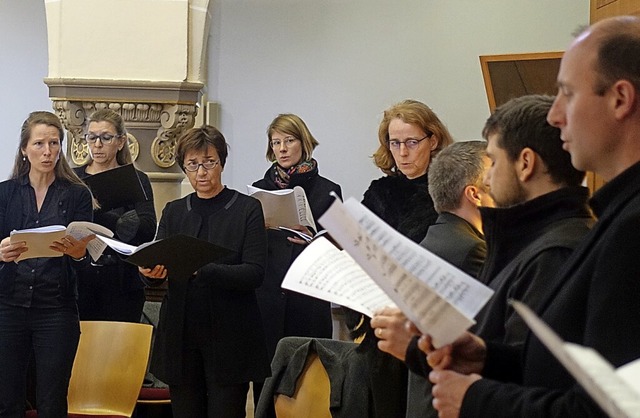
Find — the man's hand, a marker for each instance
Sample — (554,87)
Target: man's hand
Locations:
(466,355)
(389,326)
(448,391)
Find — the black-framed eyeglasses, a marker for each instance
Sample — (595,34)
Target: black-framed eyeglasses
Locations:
(288,141)
(104,138)
(409,143)
(192,166)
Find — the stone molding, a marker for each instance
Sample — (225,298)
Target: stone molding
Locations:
(166,109)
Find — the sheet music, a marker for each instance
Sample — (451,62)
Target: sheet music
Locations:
(95,247)
(286,207)
(597,376)
(451,283)
(442,313)
(325,272)
(39,239)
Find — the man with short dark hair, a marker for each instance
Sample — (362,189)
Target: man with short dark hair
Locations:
(593,300)
(541,215)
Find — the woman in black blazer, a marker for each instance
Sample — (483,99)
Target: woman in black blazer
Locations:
(210,342)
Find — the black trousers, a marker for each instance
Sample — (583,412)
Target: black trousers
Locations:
(201,394)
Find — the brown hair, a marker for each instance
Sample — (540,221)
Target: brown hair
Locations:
(123,156)
(200,139)
(22,166)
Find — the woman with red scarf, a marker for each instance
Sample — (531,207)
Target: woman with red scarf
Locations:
(290,146)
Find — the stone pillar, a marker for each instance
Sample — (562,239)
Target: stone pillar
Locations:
(146,60)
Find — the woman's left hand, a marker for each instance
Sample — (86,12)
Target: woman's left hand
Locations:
(156,272)
(75,248)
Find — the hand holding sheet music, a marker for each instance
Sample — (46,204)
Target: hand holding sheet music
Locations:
(39,240)
(182,255)
(439,298)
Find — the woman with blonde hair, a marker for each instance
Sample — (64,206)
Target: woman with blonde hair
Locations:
(409,136)
(290,147)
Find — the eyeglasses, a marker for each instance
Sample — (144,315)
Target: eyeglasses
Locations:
(409,143)
(288,141)
(104,138)
(208,165)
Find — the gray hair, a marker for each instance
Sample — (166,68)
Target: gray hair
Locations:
(454,168)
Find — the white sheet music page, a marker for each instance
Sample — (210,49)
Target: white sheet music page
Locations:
(611,389)
(325,272)
(439,298)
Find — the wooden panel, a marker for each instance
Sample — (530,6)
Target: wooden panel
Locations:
(514,75)
(601,9)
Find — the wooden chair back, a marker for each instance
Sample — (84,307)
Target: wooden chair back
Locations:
(109,367)
(311,398)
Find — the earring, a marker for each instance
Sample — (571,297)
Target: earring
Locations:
(24,158)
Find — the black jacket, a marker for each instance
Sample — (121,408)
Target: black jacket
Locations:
(540,235)
(134,224)
(402,203)
(458,242)
(287,313)
(592,302)
(237,336)
(74,205)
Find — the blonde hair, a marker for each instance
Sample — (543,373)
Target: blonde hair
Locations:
(415,113)
(290,124)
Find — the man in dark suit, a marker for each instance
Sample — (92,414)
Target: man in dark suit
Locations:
(456,185)
(593,299)
(541,216)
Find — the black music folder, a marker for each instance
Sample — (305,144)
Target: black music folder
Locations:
(117,187)
(181,254)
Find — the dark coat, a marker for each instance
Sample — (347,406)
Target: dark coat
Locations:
(407,207)
(458,242)
(402,203)
(593,302)
(455,240)
(347,368)
(74,205)
(527,244)
(540,235)
(237,336)
(287,313)
(133,224)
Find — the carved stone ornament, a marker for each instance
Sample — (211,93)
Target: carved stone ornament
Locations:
(174,120)
(74,116)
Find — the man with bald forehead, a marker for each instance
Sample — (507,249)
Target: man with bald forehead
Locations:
(595,304)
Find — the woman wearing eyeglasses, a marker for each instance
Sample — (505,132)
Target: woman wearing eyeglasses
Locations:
(210,343)
(290,147)
(409,136)
(110,289)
